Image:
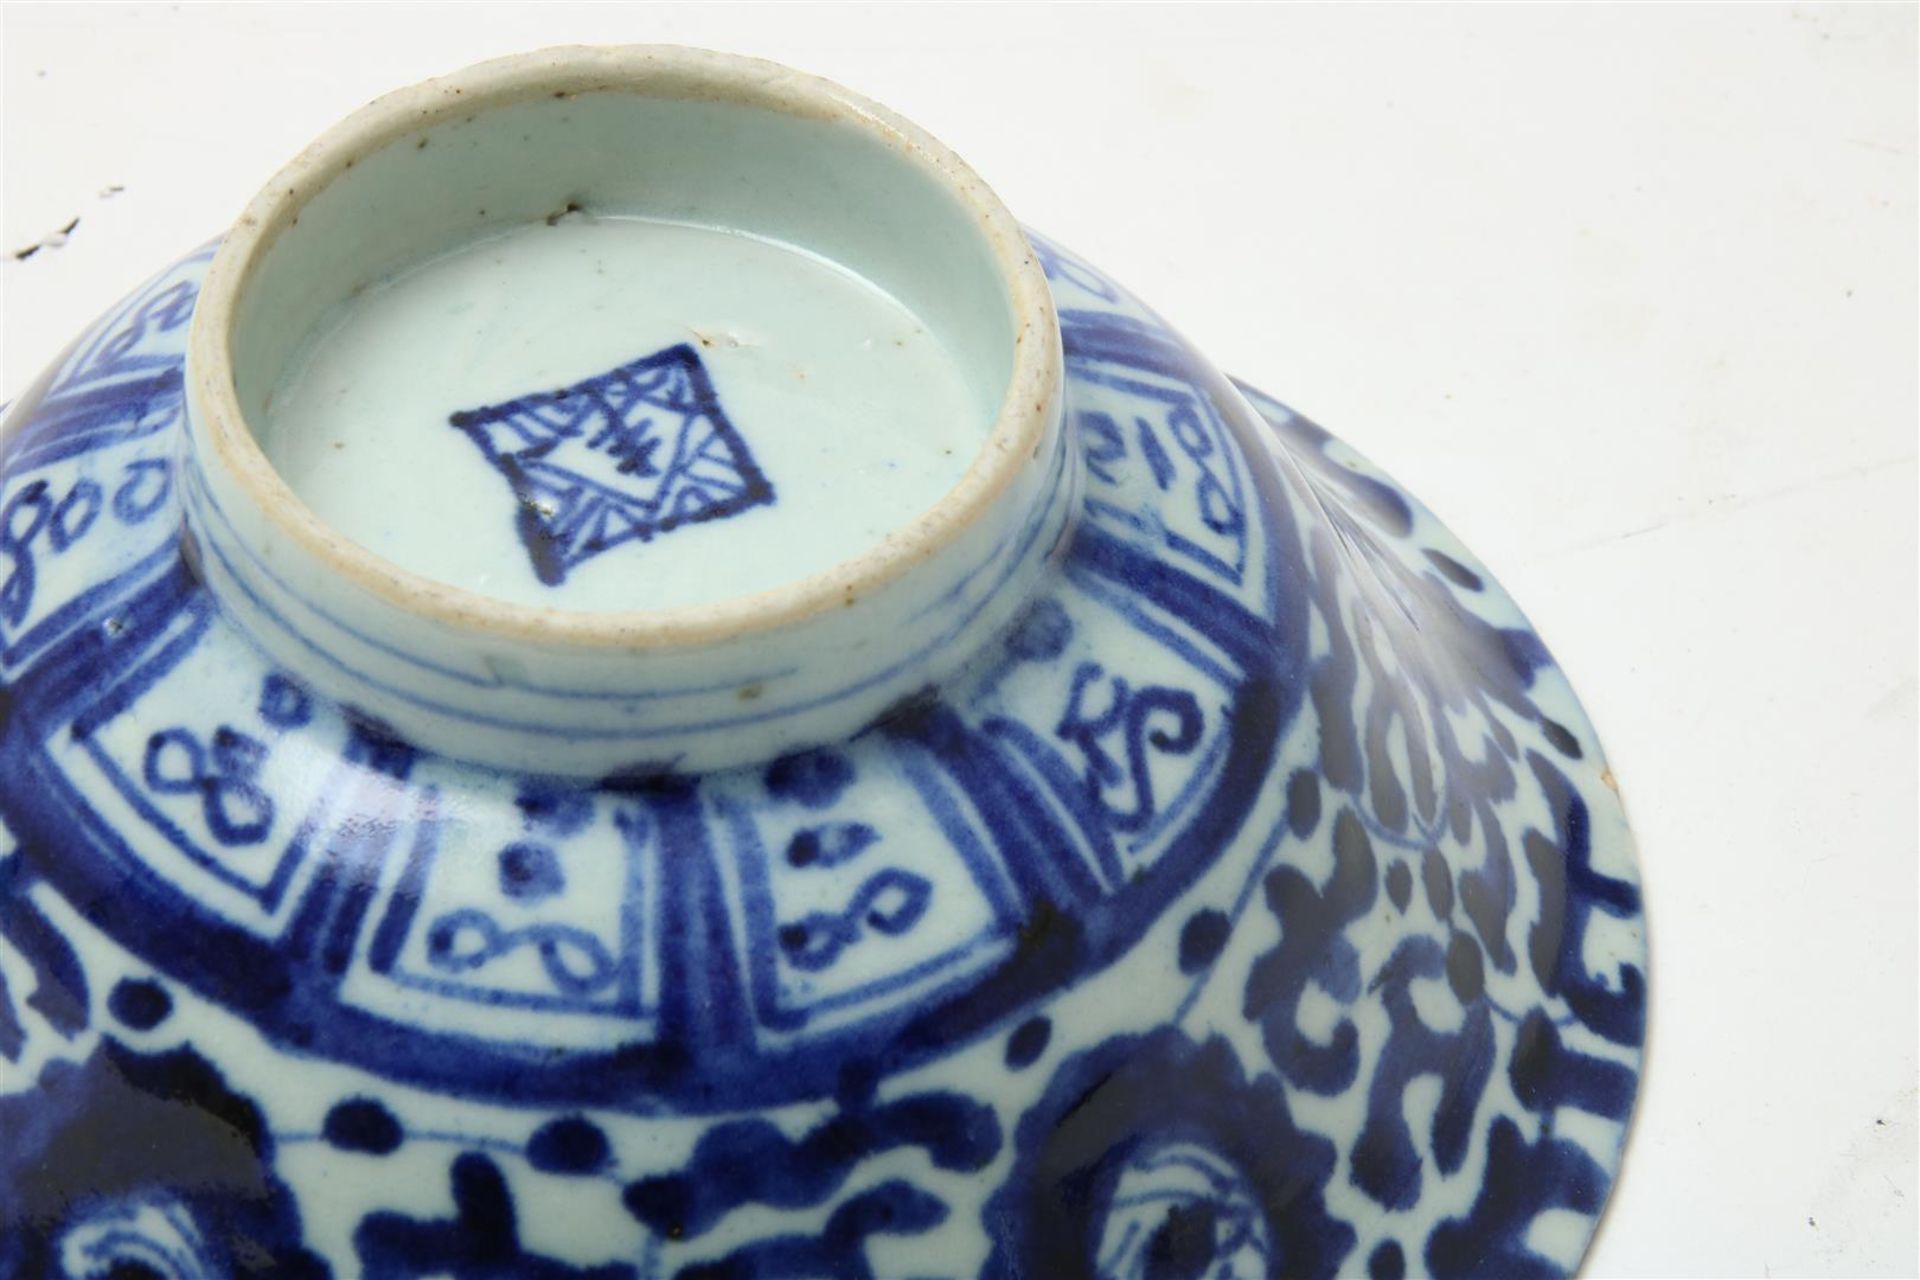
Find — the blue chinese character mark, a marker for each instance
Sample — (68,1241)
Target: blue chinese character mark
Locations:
(622,457)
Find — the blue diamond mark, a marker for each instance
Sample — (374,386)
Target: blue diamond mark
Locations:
(626,456)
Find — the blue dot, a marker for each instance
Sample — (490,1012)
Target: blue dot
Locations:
(812,778)
(1041,634)
(570,1145)
(554,807)
(530,872)
(1561,738)
(140,1004)
(1438,879)
(804,849)
(1455,572)
(1028,1042)
(1400,885)
(1466,968)
(1303,802)
(830,844)
(1387,1263)
(364,1125)
(1202,938)
(284,703)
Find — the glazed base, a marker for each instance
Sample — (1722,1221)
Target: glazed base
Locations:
(855,416)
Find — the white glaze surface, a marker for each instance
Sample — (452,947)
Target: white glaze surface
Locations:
(1680,453)
(859,416)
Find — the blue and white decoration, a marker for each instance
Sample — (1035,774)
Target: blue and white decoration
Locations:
(1256,905)
(634,453)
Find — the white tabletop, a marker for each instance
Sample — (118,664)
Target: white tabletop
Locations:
(1626,294)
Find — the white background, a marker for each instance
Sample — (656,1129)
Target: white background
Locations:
(1628,295)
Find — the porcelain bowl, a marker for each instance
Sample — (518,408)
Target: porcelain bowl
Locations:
(555,847)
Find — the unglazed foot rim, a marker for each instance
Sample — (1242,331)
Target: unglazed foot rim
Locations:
(582,691)
(647,70)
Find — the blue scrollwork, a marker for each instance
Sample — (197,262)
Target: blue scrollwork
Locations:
(890,902)
(21,520)
(143,490)
(32,515)
(573,959)
(481,1241)
(744,1162)
(224,773)
(1270,660)
(838,1252)
(1152,716)
(162,312)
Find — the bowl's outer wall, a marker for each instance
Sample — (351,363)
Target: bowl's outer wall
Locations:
(1258,905)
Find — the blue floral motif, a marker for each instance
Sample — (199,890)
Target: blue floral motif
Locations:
(126,1158)
(1077,1205)
(1524,1178)
(1421,765)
